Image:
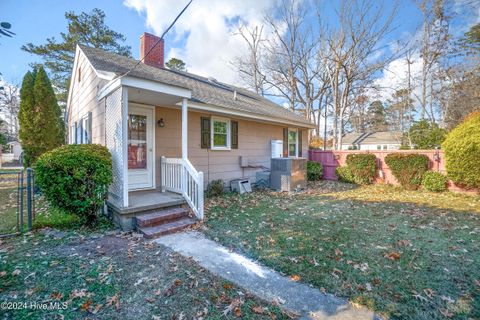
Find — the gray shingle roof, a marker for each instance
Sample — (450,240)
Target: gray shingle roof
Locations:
(379,137)
(204,90)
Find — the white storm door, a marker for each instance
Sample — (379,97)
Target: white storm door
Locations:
(140,148)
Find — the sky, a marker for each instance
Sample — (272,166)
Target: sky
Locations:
(204,37)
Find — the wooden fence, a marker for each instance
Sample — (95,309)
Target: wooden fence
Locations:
(331,159)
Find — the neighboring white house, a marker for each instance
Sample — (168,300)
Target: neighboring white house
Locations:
(380,140)
(15,149)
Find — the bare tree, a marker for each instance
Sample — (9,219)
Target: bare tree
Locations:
(250,65)
(352,48)
(9,107)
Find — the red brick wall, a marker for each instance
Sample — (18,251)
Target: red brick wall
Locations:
(331,159)
(156,57)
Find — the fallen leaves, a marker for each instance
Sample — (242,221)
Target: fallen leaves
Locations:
(392,255)
(336,272)
(362,267)
(170,290)
(295,277)
(403,243)
(257,309)
(113,301)
(56,295)
(234,307)
(429,293)
(86,305)
(446,313)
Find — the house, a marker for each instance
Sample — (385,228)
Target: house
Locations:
(380,140)
(11,155)
(15,148)
(170,133)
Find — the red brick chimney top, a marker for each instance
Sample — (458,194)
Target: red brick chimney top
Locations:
(156,57)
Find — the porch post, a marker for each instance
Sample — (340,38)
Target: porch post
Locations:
(184,129)
(125,144)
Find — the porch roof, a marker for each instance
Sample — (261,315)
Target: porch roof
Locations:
(203,90)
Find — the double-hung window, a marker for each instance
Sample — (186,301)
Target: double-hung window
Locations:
(73,133)
(87,128)
(220,134)
(292,142)
(81,131)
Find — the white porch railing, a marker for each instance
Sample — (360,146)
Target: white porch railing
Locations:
(180,176)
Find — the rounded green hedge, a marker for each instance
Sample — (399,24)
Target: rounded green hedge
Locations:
(434,181)
(362,167)
(462,153)
(314,171)
(344,174)
(408,169)
(76,178)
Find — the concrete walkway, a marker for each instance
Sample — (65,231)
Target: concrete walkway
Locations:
(265,283)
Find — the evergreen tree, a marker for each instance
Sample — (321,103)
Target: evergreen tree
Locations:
(26,114)
(41,127)
(87,28)
(376,117)
(425,135)
(176,64)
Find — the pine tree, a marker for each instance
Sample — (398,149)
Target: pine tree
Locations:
(376,117)
(58,53)
(26,117)
(41,127)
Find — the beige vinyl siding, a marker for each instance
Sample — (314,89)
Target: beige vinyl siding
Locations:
(84,99)
(253,140)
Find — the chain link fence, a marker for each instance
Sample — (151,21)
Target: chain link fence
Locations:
(17,200)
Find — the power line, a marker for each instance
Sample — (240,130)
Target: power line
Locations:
(159,40)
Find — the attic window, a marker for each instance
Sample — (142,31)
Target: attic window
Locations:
(79,74)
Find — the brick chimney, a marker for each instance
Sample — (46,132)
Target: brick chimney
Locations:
(156,57)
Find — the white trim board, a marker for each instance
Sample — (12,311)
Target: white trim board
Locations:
(143,84)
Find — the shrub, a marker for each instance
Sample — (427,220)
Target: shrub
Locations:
(408,169)
(426,135)
(362,167)
(215,188)
(344,174)
(462,153)
(434,181)
(75,178)
(314,171)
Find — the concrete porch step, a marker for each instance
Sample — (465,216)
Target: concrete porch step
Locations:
(166,228)
(160,216)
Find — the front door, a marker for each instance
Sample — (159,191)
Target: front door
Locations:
(140,148)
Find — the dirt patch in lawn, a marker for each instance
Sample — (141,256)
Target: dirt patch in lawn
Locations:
(115,276)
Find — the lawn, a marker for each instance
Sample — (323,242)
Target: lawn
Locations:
(404,254)
(8,201)
(105,274)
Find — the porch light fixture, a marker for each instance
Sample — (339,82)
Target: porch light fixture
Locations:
(160,123)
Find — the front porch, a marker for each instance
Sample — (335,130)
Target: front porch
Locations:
(145,200)
(130,130)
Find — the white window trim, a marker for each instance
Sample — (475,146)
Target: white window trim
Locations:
(73,133)
(229,136)
(84,129)
(296,142)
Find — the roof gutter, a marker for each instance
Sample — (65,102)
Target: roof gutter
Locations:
(247,115)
